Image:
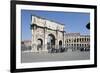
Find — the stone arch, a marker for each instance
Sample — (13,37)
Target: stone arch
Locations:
(51,41)
(60,44)
(39,44)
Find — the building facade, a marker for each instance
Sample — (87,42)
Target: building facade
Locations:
(26,45)
(46,34)
(76,41)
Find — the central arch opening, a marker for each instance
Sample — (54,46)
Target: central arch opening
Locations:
(51,41)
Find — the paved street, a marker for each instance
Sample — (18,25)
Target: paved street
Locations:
(28,57)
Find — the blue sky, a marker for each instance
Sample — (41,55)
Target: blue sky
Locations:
(73,21)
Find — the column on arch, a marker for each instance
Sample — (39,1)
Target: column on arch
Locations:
(45,40)
(56,40)
(34,40)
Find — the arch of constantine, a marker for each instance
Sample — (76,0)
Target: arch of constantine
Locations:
(46,34)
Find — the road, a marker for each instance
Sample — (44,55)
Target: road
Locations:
(29,57)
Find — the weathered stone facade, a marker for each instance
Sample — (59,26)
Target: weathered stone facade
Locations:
(45,34)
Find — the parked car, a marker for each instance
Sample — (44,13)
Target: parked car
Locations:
(87,49)
(84,49)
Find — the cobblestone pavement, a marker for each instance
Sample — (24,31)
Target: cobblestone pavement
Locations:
(28,57)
